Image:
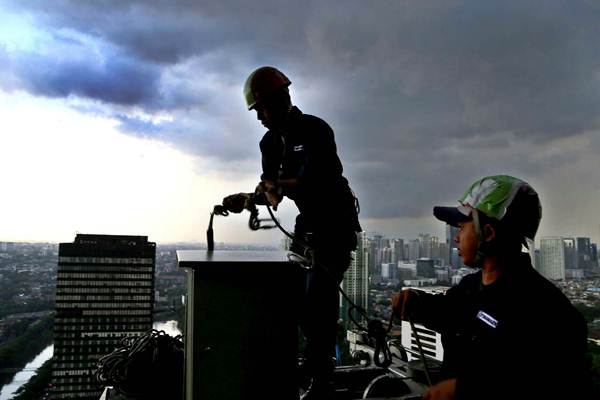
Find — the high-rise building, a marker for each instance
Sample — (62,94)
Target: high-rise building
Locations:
(444,254)
(570,253)
(374,256)
(584,254)
(356,278)
(389,271)
(425,268)
(454,259)
(104,292)
(397,250)
(594,248)
(414,250)
(385,255)
(406,271)
(552,258)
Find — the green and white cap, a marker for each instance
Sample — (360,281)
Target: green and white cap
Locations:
(509,200)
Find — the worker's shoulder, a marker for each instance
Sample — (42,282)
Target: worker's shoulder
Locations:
(532,281)
(268,138)
(314,123)
(470,281)
(545,295)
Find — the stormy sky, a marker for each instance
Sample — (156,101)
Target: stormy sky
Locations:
(423,96)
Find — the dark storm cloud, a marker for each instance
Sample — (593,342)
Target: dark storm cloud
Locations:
(120,81)
(422,95)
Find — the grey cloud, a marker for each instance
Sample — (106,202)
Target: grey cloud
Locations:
(421,95)
(120,81)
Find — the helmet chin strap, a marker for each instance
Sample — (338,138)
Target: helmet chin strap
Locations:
(479,253)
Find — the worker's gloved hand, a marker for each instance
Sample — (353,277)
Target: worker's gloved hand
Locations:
(405,304)
(444,390)
(270,190)
(236,202)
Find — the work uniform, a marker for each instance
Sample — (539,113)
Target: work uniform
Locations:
(305,149)
(518,337)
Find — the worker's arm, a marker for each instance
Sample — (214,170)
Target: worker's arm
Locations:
(420,307)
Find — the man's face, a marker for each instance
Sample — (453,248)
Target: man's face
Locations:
(467,242)
(272,113)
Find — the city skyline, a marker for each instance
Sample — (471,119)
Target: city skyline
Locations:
(128,117)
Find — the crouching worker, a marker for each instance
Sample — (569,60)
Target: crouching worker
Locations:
(507,331)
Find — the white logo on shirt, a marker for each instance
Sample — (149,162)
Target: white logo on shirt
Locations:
(300,147)
(488,319)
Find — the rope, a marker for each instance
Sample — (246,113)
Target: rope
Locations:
(374,327)
(421,353)
(130,367)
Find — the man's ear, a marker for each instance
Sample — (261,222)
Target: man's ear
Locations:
(489,233)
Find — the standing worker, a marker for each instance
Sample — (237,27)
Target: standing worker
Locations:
(300,161)
(507,331)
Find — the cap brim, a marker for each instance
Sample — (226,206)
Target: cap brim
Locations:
(452,215)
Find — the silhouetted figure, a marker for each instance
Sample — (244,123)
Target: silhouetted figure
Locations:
(300,161)
(507,331)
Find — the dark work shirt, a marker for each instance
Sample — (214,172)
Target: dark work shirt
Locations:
(306,150)
(517,337)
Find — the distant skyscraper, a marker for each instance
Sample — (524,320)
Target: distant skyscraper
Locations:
(424,245)
(103,293)
(397,250)
(425,268)
(584,254)
(552,258)
(453,258)
(594,261)
(385,255)
(374,259)
(444,254)
(356,278)
(414,250)
(389,271)
(570,254)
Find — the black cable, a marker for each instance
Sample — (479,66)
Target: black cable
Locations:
(374,327)
(129,368)
(210,236)
(422,354)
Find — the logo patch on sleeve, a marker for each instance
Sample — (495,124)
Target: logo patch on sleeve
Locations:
(487,318)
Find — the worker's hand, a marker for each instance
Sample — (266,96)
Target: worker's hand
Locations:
(236,202)
(405,304)
(269,189)
(444,390)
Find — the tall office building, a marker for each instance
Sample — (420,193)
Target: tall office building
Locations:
(552,258)
(389,271)
(454,259)
(425,268)
(414,250)
(397,250)
(103,293)
(356,278)
(584,254)
(570,253)
(374,261)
